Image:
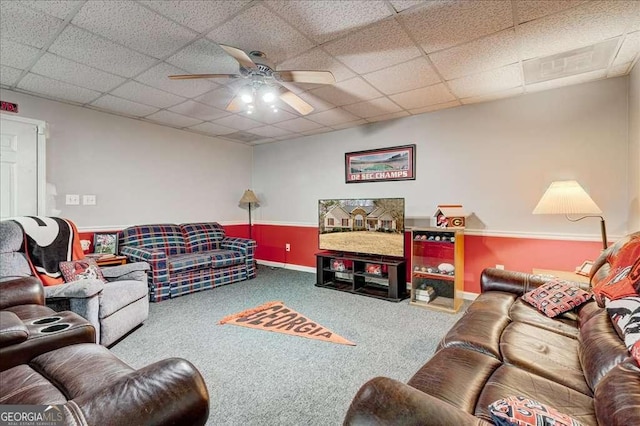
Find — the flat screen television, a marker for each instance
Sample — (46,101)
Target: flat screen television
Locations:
(362,225)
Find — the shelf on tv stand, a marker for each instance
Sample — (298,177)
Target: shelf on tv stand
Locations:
(389,286)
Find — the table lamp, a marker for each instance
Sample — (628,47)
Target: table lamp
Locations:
(249,198)
(569,198)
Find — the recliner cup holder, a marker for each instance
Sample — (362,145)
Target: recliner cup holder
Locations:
(48,320)
(54,328)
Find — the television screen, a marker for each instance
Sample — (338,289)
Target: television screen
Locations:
(366,226)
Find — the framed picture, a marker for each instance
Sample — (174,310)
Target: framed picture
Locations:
(585,268)
(105,242)
(379,165)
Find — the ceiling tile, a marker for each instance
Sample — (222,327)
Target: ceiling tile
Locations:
(436,107)
(123,106)
(317,103)
(197,14)
(134,26)
(258,28)
(581,26)
(366,51)
(347,92)
(493,96)
(17,55)
(58,8)
(158,77)
(400,78)
(204,57)
(62,69)
(486,53)
(238,122)
(244,137)
(9,76)
(27,26)
(372,108)
(385,117)
(137,92)
(198,110)
(618,70)
(317,131)
(629,50)
(436,94)
(298,125)
(83,47)
(567,81)
(441,24)
(332,117)
(218,98)
(263,141)
(173,119)
(56,89)
(269,131)
(317,59)
(349,124)
(267,116)
(213,129)
(487,82)
(528,10)
(327,20)
(400,5)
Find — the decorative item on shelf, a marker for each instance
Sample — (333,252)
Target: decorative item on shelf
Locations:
(373,268)
(446,268)
(569,198)
(425,294)
(337,265)
(249,198)
(105,242)
(585,268)
(450,216)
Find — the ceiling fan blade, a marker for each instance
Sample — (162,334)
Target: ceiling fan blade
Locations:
(190,76)
(235,104)
(296,102)
(240,56)
(317,77)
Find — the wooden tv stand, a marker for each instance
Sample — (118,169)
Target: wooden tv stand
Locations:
(349,273)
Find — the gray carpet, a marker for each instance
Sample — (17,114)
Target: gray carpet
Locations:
(257,377)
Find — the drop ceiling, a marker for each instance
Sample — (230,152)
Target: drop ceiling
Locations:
(390,59)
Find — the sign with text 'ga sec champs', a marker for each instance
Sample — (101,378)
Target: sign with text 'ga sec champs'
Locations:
(8,106)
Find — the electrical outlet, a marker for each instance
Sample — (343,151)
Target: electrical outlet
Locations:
(89,200)
(499,266)
(72,200)
(287,247)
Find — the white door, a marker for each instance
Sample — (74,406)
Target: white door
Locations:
(19,168)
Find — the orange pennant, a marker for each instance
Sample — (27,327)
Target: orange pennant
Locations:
(275,316)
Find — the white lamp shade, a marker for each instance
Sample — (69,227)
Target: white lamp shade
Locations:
(566,197)
(249,197)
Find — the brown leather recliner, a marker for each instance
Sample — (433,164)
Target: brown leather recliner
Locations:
(43,361)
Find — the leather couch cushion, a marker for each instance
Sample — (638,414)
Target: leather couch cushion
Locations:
(495,301)
(618,395)
(118,294)
(12,329)
(455,375)
(189,262)
(30,311)
(509,381)
(203,236)
(565,324)
(544,353)
(478,330)
(28,387)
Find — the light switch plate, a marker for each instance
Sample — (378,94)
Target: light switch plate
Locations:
(72,200)
(89,200)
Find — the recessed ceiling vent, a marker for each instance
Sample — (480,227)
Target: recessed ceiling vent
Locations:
(573,62)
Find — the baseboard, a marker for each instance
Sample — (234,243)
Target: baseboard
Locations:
(287,266)
(467,295)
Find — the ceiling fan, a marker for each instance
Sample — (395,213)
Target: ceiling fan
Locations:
(263,82)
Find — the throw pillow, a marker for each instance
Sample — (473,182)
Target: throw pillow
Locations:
(556,297)
(624,276)
(625,316)
(521,411)
(83,269)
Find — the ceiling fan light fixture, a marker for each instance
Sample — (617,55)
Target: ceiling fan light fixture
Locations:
(268,95)
(247,98)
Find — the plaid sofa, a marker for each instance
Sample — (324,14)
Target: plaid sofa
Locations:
(189,257)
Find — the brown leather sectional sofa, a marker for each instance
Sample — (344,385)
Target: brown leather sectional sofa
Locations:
(503,347)
(50,358)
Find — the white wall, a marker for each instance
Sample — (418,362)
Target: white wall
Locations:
(140,172)
(634,149)
(495,158)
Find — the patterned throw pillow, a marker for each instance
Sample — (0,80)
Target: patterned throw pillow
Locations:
(521,411)
(625,315)
(556,297)
(83,269)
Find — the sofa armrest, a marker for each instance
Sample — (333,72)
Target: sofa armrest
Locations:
(80,289)
(131,271)
(244,245)
(12,329)
(384,401)
(168,392)
(519,283)
(21,291)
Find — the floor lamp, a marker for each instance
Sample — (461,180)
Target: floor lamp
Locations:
(249,198)
(569,198)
